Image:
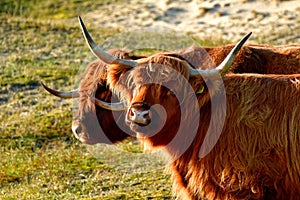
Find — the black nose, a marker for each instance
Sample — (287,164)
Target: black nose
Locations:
(139,113)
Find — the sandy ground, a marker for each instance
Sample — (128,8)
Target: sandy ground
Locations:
(271,21)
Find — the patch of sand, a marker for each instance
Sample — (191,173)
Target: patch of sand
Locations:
(271,21)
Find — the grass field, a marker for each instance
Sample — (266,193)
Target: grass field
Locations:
(40,158)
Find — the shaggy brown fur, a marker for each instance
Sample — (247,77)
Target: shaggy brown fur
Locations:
(261,59)
(257,154)
(255,59)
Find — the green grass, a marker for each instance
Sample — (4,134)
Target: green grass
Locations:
(46,10)
(40,159)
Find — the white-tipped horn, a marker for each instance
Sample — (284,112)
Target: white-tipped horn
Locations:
(108,106)
(99,52)
(64,95)
(226,64)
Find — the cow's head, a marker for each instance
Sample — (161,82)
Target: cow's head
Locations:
(154,89)
(97,121)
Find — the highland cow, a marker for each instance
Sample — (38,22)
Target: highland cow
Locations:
(256,154)
(261,59)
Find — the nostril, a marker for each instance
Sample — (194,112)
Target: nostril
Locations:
(131,113)
(145,114)
(78,129)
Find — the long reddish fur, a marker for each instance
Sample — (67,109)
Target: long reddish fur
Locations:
(257,154)
(261,59)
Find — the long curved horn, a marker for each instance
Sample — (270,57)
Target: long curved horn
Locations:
(100,53)
(108,106)
(64,95)
(227,62)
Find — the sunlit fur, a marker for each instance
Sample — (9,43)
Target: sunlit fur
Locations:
(123,80)
(261,59)
(257,155)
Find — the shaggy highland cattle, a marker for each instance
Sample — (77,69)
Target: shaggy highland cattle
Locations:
(255,156)
(251,58)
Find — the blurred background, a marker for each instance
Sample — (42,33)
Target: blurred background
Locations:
(42,41)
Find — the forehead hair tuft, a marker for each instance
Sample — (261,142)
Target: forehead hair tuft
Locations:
(158,69)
